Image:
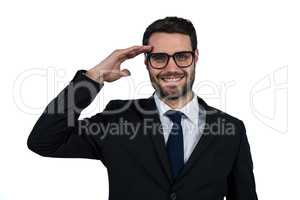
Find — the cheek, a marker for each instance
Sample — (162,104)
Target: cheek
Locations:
(190,72)
(154,73)
(187,73)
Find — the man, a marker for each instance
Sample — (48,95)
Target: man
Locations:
(176,146)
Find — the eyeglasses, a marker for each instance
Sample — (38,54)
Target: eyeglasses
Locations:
(182,59)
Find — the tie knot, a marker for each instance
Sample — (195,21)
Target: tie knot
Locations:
(174,116)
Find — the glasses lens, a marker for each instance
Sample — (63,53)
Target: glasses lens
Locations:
(184,59)
(158,60)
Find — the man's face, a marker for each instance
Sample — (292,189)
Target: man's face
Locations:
(172,81)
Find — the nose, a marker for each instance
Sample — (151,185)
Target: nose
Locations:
(171,66)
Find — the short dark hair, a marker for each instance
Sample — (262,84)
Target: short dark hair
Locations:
(172,25)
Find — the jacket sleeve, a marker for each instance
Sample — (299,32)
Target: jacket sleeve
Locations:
(59,133)
(241,183)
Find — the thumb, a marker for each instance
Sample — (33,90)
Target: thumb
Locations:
(124,72)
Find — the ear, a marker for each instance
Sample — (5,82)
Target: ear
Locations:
(196,55)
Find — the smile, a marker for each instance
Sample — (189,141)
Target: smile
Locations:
(172,79)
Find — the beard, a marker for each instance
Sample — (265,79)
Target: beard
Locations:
(178,91)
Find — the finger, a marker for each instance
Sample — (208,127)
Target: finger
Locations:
(137,52)
(125,72)
(136,47)
(134,51)
(129,49)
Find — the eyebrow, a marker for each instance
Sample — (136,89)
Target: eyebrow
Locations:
(173,53)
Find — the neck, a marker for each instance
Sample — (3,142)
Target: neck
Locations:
(178,102)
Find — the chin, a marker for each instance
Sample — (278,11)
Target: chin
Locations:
(172,95)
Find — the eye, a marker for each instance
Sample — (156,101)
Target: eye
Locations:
(183,56)
(158,57)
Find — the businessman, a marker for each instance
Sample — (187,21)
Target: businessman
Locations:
(172,145)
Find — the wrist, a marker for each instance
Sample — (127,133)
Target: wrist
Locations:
(96,76)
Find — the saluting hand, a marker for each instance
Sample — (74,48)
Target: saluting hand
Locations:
(109,69)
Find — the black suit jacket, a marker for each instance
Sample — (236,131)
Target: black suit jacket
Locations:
(135,157)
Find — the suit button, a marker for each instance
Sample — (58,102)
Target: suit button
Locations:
(173,196)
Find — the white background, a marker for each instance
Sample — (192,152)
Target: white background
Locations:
(248,67)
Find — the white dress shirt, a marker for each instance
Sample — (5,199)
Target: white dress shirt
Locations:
(192,123)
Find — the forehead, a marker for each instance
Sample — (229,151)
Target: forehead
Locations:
(170,42)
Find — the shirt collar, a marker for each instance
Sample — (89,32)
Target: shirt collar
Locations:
(190,110)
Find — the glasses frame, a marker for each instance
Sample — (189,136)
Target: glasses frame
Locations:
(148,55)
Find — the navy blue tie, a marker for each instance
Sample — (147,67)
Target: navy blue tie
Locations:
(175,142)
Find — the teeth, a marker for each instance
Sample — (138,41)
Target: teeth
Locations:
(172,79)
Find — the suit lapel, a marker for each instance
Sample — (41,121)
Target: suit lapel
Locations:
(203,143)
(151,114)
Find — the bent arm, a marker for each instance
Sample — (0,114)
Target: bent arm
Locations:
(57,132)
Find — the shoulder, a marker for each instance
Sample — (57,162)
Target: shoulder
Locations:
(219,113)
(120,107)
(125,104)
(224,122)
